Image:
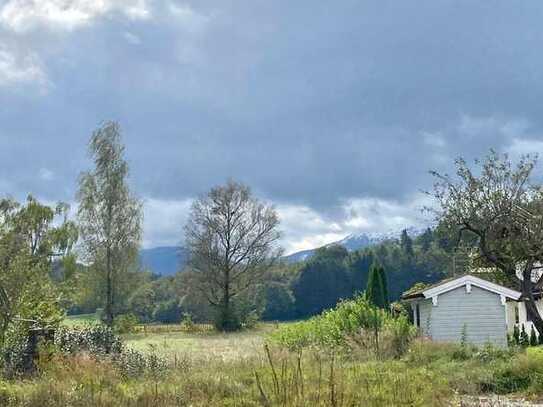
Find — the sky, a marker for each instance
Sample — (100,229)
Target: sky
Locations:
(332,111)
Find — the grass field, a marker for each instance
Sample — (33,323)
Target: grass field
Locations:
(210,369)
(74,321)
(202,346)
(202,343)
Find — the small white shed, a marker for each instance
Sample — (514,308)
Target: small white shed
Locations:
(466,307)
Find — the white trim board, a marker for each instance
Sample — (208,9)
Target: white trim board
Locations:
(469,281)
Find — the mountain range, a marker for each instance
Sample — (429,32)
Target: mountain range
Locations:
(168,260)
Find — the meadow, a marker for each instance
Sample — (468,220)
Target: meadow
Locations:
(201,367)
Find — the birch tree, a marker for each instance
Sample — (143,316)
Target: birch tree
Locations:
(109,215)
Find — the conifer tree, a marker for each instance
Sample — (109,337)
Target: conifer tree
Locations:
(406,244)
(384,286)
(374,290)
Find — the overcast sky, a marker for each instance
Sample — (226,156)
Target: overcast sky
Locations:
(333,110)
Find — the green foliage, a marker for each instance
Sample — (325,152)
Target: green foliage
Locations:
(323,281)
(524,340)
(406,243)
(354,323)
(110,218)
(377,290)
(28,242)
(98,340)
(280,302)
(187,323)
(125,323)
(167,312)
(516,335)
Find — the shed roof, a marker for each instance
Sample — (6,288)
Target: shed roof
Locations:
(455,282)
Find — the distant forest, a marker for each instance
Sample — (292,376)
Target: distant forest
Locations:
(289,291)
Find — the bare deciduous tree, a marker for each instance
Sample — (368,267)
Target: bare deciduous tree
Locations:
(232,238)
(500,210)
(109,215)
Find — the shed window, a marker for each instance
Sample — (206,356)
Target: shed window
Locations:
(517,319)
(417,312)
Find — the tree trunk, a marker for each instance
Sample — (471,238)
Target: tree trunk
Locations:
(529,300)
(109,292)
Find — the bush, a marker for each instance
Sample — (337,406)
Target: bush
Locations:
(352,324)
(126,323)
(14,357)
(97,340)
(168,312)
(187,323)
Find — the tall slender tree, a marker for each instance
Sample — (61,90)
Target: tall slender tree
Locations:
(375,291)
(109,215)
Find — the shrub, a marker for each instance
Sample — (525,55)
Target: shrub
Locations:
(524,340)
(187,323)
(126,323)
(168,312)
(516,335)
(97,340)
(14,357)
(352,324)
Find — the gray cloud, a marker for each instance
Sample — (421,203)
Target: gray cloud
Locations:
(313,104)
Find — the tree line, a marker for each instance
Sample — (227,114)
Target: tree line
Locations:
(50,264)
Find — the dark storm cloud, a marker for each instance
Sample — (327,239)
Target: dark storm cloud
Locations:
(309,102)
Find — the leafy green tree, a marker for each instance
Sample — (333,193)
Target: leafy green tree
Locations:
(280,302)
(142,302)
(32,236)
(109,217)
(233,241)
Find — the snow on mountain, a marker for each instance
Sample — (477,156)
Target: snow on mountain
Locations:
(356,241)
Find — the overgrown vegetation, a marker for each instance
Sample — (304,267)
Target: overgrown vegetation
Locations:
(353,326)
(224,373)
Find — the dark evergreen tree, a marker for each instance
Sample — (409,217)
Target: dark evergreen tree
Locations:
(406,244)
(425,240)
(384,285)
(375,291)
(322,282)
(358,264)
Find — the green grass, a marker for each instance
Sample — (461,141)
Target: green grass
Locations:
(211,369)
(74,321)
(202,345)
